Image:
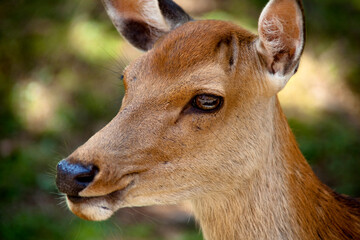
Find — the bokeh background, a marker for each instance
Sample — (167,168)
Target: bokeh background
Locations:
(60,67)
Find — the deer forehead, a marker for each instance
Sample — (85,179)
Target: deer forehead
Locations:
(188,58)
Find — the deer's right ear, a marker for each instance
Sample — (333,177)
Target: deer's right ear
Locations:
(142,22)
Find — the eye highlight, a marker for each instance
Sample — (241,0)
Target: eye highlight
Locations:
(207,102)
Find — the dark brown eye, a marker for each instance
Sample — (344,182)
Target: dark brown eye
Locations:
(207,102)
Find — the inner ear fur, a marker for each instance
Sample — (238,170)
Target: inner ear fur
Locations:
(143,22)
(281,37)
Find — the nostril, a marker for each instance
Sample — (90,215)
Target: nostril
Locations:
(88,177)
(72,178)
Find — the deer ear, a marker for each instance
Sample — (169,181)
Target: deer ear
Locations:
(281,39)
(142,22)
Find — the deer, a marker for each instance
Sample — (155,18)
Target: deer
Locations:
(200,121)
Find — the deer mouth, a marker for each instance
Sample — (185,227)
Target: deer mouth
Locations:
(98,208)
(108,197)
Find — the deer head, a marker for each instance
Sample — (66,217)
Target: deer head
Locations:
(196,118)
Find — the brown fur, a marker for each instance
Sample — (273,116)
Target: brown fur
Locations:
(320,212)
(240,167)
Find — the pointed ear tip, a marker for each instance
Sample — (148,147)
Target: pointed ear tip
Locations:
(284,5)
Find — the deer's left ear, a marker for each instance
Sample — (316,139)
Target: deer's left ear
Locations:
(281,39)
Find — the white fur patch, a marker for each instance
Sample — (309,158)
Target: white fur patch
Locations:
(152,14)
(278,80)
(149,12)
(94,210)
(272,29)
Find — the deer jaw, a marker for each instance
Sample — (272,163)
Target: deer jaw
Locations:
(158,149)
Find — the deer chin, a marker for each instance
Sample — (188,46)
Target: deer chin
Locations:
(98,208)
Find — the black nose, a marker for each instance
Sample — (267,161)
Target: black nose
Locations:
(72,178)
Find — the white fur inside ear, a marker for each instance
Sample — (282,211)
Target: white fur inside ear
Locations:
(278,43)
(272,29)
(278,80)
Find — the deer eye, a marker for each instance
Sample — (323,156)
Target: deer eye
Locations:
(207,102)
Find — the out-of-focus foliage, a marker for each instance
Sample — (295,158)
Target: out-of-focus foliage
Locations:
(59,68)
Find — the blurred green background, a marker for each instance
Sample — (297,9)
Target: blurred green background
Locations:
(60,63)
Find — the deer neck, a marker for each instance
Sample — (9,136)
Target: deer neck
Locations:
(259,208)
(270,205)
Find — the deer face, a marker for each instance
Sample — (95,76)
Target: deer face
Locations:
(192,118)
